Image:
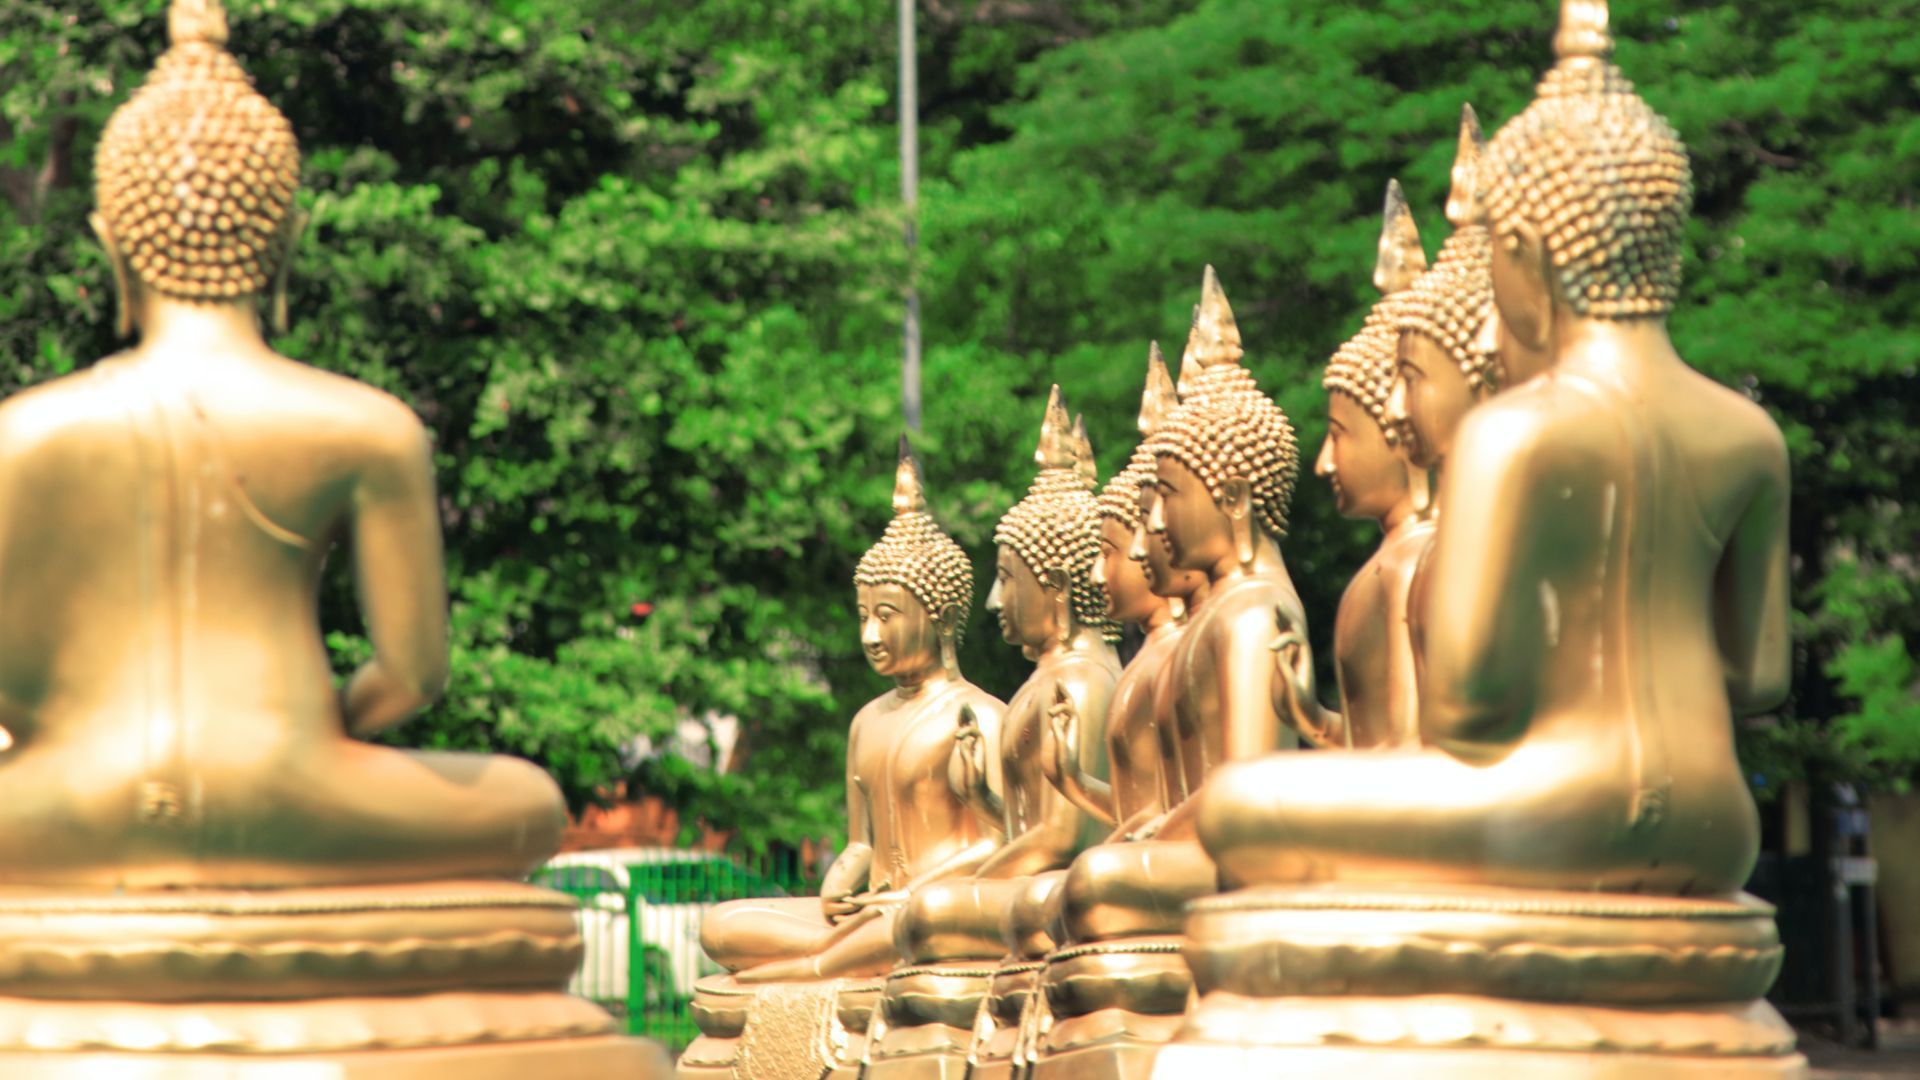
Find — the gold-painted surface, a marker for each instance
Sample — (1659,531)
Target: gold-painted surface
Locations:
(592,1056)
(1373,646)
(792,1033)
(295,1029)
(1607,589)
(207,869)
(1538,946)
(285,944)
(909,820)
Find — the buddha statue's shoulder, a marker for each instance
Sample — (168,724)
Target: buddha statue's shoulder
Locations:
(30,418)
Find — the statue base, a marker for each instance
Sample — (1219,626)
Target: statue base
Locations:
(598,1058)
(928,1016)
(1113,1005)
(1476,982)
(374,982)
(1012,1016)
(779,1031)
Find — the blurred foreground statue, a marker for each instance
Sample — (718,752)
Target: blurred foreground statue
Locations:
(1550,887)
(807,972)
(957,945)
(207,874)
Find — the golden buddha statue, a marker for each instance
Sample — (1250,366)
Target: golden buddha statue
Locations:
(908,825)
(953,934)
(1223,466)
(1363,461)
(210,874)
(1137,788)
(1550,887)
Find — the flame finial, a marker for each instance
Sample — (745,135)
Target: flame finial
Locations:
(1215,341)
(1583,32)
(1158,400)
(1463,201)
(908,495)
(197,20)
(1401,257)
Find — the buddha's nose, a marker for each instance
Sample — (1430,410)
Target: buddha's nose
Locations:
(869,633)
(993,596)
(1397,401)
(1137,550)
(1323,465)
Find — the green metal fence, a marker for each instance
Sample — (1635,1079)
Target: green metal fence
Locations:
(640,912)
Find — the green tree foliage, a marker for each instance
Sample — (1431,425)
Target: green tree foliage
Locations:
(637,265)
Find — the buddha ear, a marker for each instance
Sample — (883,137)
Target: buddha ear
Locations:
(122,280)
(1055,579)
(1525,288)
(1236,501)
(947,625)
(294,228)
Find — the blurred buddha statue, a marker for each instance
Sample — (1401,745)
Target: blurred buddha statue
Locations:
(907,825)
(205,854)
(1051,609)
(1363,460)
(807,972)
(1551,885)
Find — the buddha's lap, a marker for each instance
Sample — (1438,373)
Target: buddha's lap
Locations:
(1553,820)
(1134,888)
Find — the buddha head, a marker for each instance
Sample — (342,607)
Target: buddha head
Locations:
(1123,571)
(1226,460)
(914,588)
(1049,543)
(1360,459)
(195,178)
(1441,368)
(1586,193)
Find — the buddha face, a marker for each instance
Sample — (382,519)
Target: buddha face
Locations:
(901,639)
(1194,526)
(1026,606)
(1367,474)
(1122,579)
(1430,395)
(1149,549)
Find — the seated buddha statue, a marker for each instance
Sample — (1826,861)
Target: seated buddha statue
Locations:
(163,638)
(208,864)
(953,935)
(1611,562)
(1363,463)
(1224,469)
(1136,790)
(908,826)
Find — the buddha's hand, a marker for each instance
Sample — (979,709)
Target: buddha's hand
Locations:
(1294,696)
(1063,721)
(971,747)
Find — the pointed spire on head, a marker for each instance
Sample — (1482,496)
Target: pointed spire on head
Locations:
(1583,33)
(1215,341)
(197,20)
(1158,400)
(1188,365)
(1463,201)
(1401,257)
(908,496)
(1056,434)
(1083,462)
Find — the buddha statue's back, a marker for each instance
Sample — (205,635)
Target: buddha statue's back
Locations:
(162,632)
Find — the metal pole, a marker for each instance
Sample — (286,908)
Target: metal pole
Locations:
(910,197)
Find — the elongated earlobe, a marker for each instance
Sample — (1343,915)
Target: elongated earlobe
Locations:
(295,227)
(122,282)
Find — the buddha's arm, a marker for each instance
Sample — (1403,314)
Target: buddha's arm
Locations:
(972,774)
(1049,843)
(401,583)
(1244,668)
(1296,698)
(1067,767)
(1484,638)
(852,868)
(1750,596)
